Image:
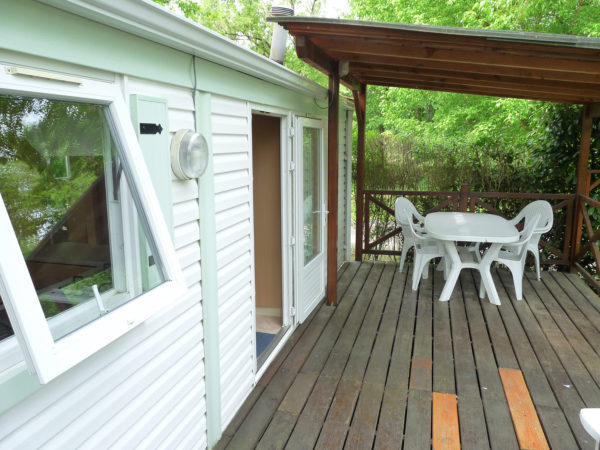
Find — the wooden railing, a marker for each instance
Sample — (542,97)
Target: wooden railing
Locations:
(587,258)
(382,236)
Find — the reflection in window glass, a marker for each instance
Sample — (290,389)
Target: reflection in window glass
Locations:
(62,183)
(311,192)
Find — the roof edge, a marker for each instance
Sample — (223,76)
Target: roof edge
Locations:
(156,23)
(567,40)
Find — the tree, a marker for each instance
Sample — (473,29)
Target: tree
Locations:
(477,135)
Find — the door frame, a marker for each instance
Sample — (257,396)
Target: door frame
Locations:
(299,123)
(288,300)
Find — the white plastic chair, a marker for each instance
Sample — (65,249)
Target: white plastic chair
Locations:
(404,209)
(540,208)
(590,419)
(425,250)
(514,258)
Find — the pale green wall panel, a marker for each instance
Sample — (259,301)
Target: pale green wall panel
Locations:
(58,35)
(229,83)
(16,384)
(55,34)
(208,264)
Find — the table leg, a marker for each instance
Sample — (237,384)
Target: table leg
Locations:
(455,268)
(486,274)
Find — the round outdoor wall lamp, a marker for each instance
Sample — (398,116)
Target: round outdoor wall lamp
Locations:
(189,154)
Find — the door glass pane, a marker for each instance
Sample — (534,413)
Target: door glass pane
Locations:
(311,192)
(61,180)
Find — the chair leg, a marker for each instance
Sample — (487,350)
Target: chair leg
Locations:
(517,274)
(455,268)
(481,288)
(403,257)
(417,270)
(536,255)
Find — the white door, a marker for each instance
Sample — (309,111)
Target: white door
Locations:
(311,214)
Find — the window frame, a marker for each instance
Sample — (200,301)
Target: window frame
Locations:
(44,356)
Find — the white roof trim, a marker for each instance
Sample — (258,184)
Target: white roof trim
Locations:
(151,21)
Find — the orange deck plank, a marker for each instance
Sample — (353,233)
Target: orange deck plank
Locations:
(445,422)
(525,419)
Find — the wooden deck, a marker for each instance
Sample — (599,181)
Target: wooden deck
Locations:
(393,368)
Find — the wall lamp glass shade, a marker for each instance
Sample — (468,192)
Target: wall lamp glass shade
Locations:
(189,154)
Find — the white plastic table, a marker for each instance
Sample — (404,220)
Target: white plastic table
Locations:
(452,227)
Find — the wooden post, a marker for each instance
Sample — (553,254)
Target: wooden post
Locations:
(463,197)
(583,183)
(360,104)
(332,184)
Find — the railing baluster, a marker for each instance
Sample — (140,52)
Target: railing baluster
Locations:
(367,213)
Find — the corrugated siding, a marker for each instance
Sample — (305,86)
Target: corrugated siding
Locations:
(344,185)
(146,389)
(233,204)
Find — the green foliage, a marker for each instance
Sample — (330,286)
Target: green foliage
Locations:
(489,143)
(37,137)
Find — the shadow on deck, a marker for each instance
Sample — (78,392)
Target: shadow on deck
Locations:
(373,371)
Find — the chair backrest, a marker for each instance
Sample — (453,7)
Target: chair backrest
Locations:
(405,208)
(408,222)
(528,231)
(540,208)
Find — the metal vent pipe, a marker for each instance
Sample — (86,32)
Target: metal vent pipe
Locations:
(280,34)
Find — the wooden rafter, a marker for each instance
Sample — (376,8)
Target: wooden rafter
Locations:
(544,67)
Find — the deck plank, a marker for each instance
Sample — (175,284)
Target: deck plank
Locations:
(365,420)
(337,421)
(565,294)
(445,431)
(418,407)
(568,398)
(503,350)
(310,421)
(257,412)
(373,371)
(390,427)
(499,424)
(588,300)
(561,309)
(549,316)
(417,430)
(552,417)
(443,369)
(525,419)
(470,407)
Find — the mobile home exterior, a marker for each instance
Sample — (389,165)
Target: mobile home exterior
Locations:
(130,303)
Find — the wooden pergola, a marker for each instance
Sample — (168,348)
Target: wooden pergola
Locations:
(533,66)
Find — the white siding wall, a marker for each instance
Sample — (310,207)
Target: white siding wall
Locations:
(231,130)
(344,185)
(147,388)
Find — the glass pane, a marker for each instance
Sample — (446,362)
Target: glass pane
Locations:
(62,182)
(311,192)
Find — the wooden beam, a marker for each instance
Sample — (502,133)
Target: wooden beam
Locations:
(308,52)
(493,57)
(471,67)
(317,58)
(417,37)
(454,76)
(428,86)
(332,183)
(360,105)
(482,88)
(350,82)
(583,182)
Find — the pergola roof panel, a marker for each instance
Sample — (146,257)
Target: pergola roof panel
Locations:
(534,66)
